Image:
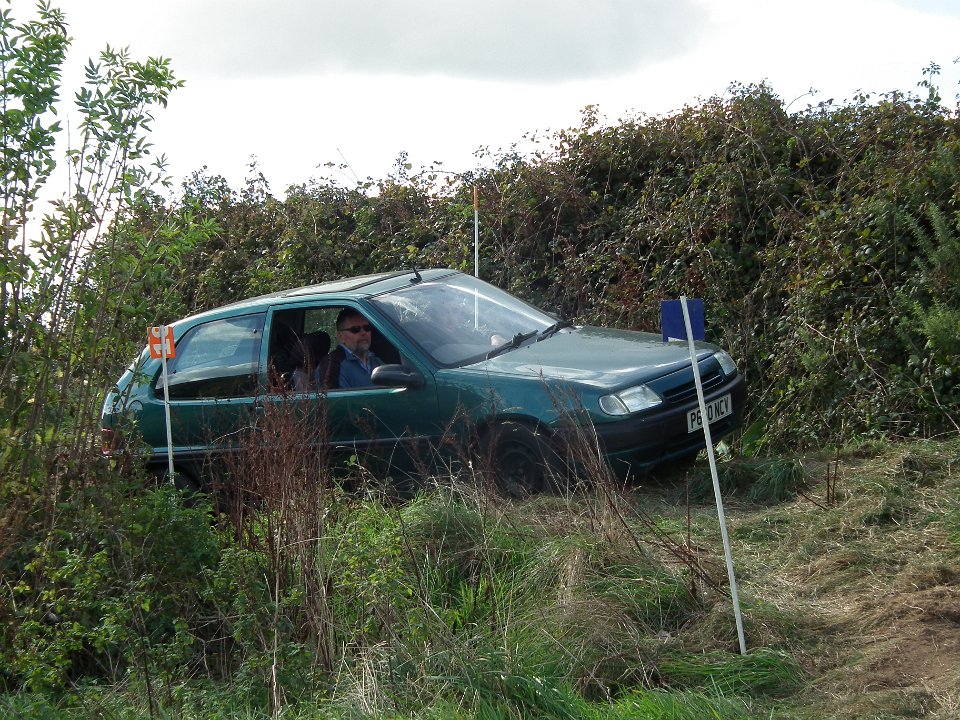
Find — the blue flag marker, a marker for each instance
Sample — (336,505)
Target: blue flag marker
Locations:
(671,319)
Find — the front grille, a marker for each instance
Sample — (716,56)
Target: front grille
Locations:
(685,391)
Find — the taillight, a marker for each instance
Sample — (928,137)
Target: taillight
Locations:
(108,440)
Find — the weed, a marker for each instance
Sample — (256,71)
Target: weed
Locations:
(762,671)
(767,480)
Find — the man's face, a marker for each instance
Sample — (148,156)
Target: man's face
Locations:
(354,332)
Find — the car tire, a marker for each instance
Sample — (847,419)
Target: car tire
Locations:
(519,462)
(182,481)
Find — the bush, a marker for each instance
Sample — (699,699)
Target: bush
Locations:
(114,590)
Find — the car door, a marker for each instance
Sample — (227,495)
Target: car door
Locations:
(378,427)
(213,384)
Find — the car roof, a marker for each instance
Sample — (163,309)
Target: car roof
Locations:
(360,286)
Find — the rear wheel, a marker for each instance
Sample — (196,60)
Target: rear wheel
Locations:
(519,460)
(182,481)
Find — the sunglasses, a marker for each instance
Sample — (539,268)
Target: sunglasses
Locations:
(354,329)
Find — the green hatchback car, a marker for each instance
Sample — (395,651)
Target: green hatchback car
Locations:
(458,358)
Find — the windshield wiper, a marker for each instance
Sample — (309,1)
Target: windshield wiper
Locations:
(554,329)
(515,342)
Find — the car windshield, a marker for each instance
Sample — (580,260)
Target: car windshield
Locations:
(460,320)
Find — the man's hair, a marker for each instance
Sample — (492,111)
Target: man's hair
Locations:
(348,313)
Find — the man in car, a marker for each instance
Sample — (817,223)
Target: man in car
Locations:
(351,364)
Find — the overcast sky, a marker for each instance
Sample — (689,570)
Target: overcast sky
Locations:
(300,83)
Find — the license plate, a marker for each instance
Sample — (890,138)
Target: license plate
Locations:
(716,409)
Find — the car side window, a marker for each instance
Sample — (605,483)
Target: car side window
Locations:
(218,359)
(323,318)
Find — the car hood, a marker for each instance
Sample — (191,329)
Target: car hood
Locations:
(597,356)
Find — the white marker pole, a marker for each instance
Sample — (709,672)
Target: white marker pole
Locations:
(166,401)
(716,480)
(476,233)
(476,255)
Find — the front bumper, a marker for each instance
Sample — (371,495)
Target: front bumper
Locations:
(638,443)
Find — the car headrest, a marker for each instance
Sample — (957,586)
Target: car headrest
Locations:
(317,344)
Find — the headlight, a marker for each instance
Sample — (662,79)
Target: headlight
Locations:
(630,400)
(727,364)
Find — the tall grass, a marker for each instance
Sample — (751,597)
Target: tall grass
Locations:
(320,590)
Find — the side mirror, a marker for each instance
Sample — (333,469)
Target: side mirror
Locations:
(396,376)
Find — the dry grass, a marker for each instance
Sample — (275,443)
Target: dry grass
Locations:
(847,565)
(862,588)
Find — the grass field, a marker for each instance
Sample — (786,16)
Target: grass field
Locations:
(608,603)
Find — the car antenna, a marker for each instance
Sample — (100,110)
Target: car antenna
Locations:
(416,276)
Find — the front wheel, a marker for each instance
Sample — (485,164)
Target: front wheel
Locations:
(518,456)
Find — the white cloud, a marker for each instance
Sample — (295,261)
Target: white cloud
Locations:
(299,83)
(528,41)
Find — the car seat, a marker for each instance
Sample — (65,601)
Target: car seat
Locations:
(316,345)
(286,353)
